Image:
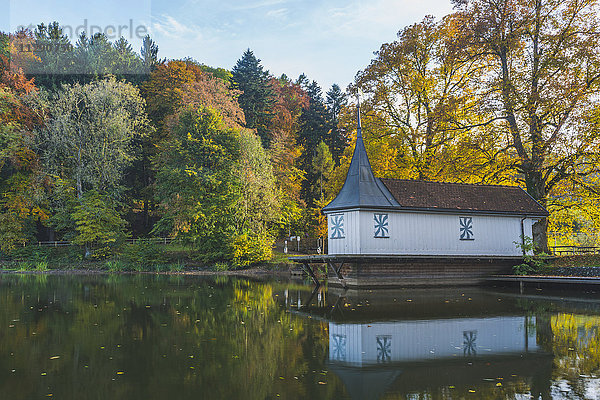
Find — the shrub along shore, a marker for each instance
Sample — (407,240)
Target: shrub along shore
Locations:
(136,257)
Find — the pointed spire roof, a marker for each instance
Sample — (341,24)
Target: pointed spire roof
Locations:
(361,188)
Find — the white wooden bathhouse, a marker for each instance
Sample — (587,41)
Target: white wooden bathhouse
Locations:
(372,216)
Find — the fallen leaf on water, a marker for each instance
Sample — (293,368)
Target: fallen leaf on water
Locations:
(54,357)
(471,391)
(120,372)
(322,383)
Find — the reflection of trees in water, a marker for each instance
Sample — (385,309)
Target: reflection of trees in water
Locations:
(172,338)
(576,343)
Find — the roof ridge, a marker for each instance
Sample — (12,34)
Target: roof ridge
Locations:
(454,183)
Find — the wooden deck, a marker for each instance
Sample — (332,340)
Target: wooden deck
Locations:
(366,270)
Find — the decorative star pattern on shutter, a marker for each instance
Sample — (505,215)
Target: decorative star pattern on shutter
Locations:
(466,228)
(337,226)
(381,225)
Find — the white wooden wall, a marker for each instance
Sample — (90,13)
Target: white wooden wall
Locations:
(412,233)
(431,340)
(350,244)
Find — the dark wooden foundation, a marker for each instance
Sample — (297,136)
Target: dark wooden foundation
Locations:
(377,271)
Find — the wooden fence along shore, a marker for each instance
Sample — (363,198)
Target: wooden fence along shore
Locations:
(59,243)
(574,250)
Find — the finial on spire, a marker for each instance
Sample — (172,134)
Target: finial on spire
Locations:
(358,123)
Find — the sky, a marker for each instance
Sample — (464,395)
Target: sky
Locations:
(328,40)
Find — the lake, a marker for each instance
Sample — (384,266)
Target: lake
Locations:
(189,337)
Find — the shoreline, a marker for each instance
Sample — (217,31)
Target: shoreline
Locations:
(250,272)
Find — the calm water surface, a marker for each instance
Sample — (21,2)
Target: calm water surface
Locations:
(175,337)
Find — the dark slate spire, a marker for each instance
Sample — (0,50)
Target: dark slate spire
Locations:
(361,188)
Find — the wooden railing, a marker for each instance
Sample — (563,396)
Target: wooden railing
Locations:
(574,250)
(59,243)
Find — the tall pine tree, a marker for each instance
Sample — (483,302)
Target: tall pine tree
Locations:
(314,130)
(258,97)
(338,140)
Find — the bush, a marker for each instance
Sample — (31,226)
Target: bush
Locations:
(221,266)
(143,255)
(25,266)
(523,269)
(41,265)
(177,267)
(251,248)
(116,266)
(533,264)
(61,254)
(102,253)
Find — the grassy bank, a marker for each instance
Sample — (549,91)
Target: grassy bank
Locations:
(592,260)
(138,257)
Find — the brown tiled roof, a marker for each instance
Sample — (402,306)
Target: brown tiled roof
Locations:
(423,195)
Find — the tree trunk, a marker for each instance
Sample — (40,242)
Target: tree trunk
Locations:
(536,187)
(540,236)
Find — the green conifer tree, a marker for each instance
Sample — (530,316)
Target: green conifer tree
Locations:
(258,98)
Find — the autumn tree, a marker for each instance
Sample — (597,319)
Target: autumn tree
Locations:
(540,89)
(291,101)
(210,91)
(322,165)
(165,89)
(14,61)
(23,188)
(216,188)
(419,91)
(87,141)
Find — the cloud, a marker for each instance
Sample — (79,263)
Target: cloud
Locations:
(378,17)
(278,13)
(168,26)
(257,4)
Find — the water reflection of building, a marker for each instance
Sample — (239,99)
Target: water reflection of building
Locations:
(408,341)
(424,341)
